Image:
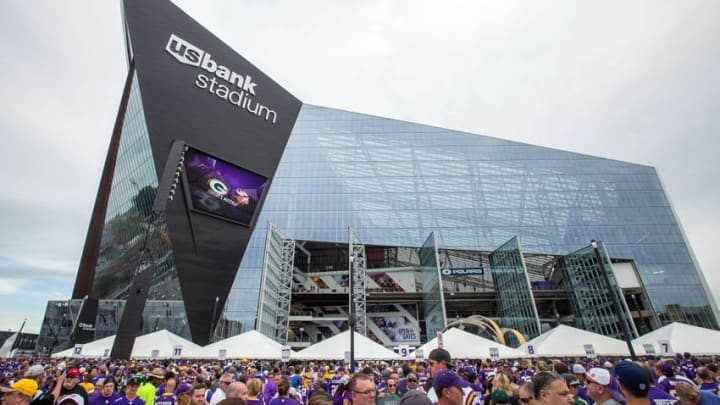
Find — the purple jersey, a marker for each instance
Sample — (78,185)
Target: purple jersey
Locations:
(334,382)
(688,369)
(283,401)
(709,386)
(125,401)
(668,384)
(526,375)
(99,399)
(166,399)
(656,396)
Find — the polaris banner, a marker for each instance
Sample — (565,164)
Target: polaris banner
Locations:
(462,271)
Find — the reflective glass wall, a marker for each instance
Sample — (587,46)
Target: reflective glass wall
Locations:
(394,182)
(128,230)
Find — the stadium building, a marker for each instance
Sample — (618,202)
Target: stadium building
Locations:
(226,204)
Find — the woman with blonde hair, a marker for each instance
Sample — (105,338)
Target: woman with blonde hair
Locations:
(503,383)
(255,389)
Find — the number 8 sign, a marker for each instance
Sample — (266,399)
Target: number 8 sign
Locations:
(530,350)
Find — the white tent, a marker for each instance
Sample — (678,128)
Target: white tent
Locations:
(251,344)
(466,345)
(165,343)
(565,340)
(96,348)
(680,338)
(334,348)
(160,344)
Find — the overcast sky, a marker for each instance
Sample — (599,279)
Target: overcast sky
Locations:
(629,80)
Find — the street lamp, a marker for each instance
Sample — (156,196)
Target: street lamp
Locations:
(302,331)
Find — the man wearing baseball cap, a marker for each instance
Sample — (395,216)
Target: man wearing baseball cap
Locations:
(439,360)
(71,387)
(603,388)
(449,388)
(19,393)
(634,383)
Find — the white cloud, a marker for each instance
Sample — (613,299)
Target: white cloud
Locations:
(10,285)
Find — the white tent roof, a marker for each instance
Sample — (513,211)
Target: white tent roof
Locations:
(251,344)
(682,338)
(565,340)
(334,348)
(163,341)
(92,349)
(466,345)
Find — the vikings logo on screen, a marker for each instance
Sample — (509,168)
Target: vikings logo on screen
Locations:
(221,189)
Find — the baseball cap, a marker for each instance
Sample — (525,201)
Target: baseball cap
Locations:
(447,379)
(578,368)
(182,389)
(440,354)
(415,397)
(73,373)
(571,379)
(134,381)
(35,371)
(667,368)
(72,399)
(24,386)
(602,376)
(632,376)
(499,397)
(412,376)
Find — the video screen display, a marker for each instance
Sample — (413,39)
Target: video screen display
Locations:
(221,189)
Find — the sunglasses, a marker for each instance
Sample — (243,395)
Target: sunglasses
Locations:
(525,400)
(411,380)
(392,385)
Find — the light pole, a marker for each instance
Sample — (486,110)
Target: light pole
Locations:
(614,298)
(302,332)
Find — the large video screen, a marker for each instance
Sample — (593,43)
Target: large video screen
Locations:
(221,189)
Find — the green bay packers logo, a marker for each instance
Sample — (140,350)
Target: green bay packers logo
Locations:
(218,186)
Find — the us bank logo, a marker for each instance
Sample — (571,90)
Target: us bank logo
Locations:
(235,88)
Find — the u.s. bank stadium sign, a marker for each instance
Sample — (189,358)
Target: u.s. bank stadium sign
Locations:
(462,271)
(219,80)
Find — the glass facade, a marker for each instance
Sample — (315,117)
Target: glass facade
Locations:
(394,182)
(590,290)
(516,304)
(130,225)
(432,288)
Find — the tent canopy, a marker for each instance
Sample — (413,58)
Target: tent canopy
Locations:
(92,349)
(565,340)
(681,338)
(334,348)
(163,341)
(251,344)
(466,345)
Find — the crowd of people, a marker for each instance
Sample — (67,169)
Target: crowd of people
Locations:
(440,380)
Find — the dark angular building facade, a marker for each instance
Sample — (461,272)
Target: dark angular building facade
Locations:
(255,155)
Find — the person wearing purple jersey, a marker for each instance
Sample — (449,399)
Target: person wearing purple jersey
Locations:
(687,367)
(439,360)
(106,395)
(283,397)
(131,396)
(688,394)
(335,380)
(342,394)
(670,379)
(579,372)
(707,380)
(603,387)
(254,392)
(167,397)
